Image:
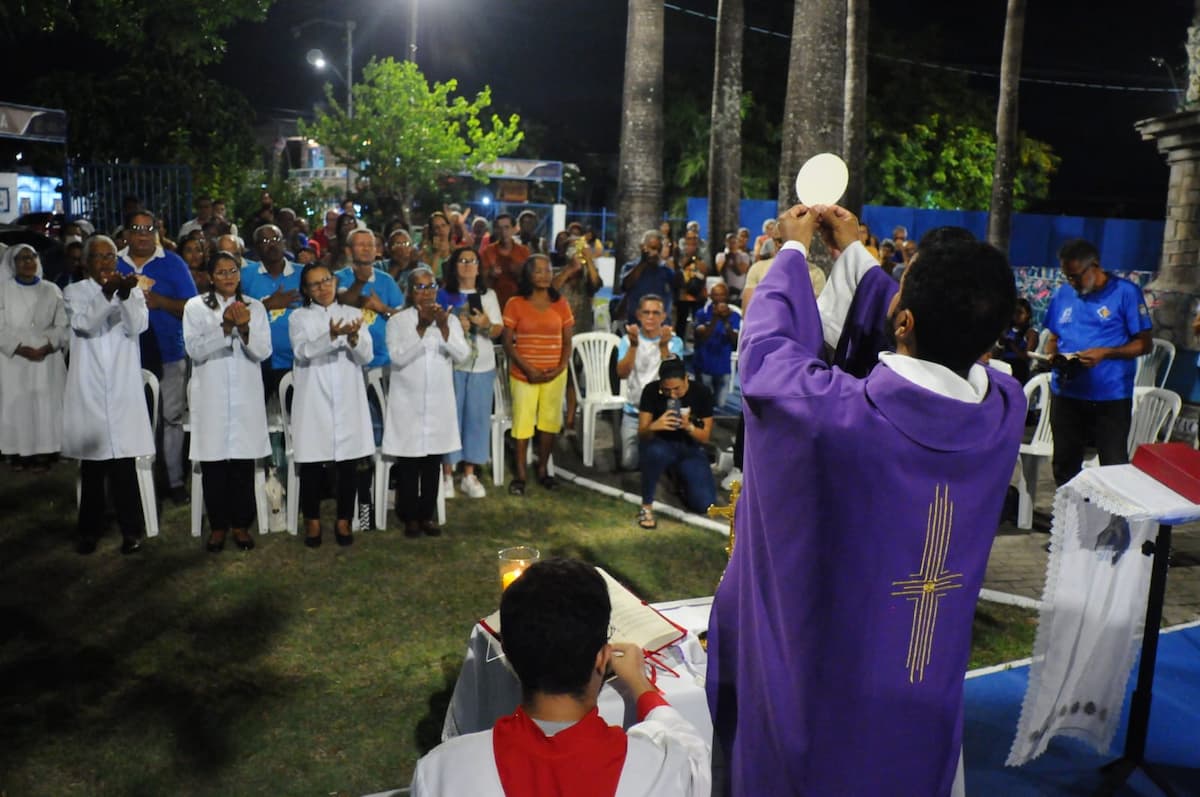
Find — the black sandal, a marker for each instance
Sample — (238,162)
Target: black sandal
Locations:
(516,487)
(646,519)
(548,482)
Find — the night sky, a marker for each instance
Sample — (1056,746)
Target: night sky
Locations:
(560,62)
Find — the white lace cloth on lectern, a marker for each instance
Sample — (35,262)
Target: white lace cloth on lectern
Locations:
(1094,605)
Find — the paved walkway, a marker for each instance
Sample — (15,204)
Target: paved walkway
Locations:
(1018,562)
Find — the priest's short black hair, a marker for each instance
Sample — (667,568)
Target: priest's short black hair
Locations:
(553,621)
(962,295)
(939,236)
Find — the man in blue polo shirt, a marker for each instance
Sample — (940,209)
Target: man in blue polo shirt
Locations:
(276,283)
(371,289)
(165,280)
(1099,325)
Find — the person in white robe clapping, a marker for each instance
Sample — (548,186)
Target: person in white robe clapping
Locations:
(424,340)
(227,336)
(331,421)
(106,424)
(33,372)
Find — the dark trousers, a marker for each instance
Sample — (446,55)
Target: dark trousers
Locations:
(417,480)
(1077,422)
(229,493)
(312,480)
(683,315)
(121,476)
(691,465)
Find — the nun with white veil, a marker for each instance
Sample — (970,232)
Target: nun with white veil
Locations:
(34,333)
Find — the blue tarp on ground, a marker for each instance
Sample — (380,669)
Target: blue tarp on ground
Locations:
(1125,244)
(1068,767)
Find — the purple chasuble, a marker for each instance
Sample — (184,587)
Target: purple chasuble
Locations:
(840,635)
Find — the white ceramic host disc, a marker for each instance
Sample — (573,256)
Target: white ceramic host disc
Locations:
(822,180)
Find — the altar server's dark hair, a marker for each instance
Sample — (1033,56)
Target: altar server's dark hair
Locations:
(961,294)
(553,622)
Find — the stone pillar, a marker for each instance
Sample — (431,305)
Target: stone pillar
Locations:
(1173,294)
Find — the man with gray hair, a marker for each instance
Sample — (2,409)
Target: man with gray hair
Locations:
(647,274)
(370,289)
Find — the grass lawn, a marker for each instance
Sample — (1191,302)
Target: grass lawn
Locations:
(284,670)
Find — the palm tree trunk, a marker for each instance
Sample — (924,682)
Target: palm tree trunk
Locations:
(725,141)
(854,135)
(814,103)
(1000,213)
(640,180)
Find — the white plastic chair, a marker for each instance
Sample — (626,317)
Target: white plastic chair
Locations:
(1153,368)
(595,350)
(1155,411)
(1043,337)
(502,420)
(501,415)
(144,466)
(383,462)
(260,499)
(1037,396)
(293,477)
(198,509)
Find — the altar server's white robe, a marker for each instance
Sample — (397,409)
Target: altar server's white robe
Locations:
(666,757)
(330,416)
(422,417)
(31,400)
(105,414)
(225,394)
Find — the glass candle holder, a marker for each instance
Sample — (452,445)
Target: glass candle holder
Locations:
(513,562)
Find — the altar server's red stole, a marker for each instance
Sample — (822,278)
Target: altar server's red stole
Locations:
(584,760)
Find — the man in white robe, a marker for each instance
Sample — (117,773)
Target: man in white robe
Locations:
(554,620)
(106,425)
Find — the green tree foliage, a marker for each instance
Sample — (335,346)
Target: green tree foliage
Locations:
(946,162)
(407,134)
(685,151)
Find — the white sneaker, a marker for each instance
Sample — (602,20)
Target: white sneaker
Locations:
(735,475)
(471,486)
(448,485)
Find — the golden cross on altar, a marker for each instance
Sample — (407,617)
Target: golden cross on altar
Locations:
(926,588)
(729,511)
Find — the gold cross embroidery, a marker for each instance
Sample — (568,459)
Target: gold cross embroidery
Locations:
(928,586)
(729,511)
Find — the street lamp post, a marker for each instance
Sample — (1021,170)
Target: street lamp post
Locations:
(317,59)
(413,6)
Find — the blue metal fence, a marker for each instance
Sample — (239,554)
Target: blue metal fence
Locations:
(96,191)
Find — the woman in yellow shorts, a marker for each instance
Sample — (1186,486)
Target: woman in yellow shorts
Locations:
(537,339)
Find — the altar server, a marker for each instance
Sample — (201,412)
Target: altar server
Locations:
(227,336)
(555,622)
(424,340)
(843,623)
(331,422)
(33,334)
(106,424)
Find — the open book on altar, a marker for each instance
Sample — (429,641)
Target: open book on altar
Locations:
(633,620)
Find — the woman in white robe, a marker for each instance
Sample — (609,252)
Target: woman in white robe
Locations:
(227,336)
(33,372)
(106,424)
(331,421)
(424,340)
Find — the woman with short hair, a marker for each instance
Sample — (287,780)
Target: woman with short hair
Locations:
(227,336)
(331,421)
(424,339)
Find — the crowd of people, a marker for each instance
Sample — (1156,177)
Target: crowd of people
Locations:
(430,310)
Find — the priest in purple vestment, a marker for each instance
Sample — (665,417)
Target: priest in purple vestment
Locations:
(840,634)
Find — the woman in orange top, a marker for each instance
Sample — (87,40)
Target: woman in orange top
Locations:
(537,338)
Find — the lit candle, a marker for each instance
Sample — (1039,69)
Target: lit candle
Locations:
(510,577)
